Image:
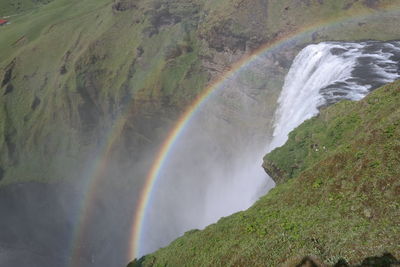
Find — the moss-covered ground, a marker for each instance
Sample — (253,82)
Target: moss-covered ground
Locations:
(343,200)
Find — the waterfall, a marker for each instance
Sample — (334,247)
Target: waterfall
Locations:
(215,169)
(325,73)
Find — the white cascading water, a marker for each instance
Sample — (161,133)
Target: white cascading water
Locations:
(216,166)
(328,72)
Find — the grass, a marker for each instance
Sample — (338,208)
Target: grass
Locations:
(113,66)
(104,76)
(318,138)
(341,203)
(117,62)
(16,7)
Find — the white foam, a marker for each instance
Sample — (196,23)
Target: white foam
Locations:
(316,67)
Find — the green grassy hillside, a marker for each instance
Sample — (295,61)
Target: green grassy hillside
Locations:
(10,8)
(342,201)
(69,68)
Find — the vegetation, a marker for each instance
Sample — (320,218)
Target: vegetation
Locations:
(317,139)
(69,68)
(341,202)
(15,7)
(67,73)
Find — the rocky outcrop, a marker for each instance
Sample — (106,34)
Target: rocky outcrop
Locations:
(386,260)
(124,5)
(278,175)
(8,73)
(222,38)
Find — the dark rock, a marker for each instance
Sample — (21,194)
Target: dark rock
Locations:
(175,51)
(172,52)
(124,5)
(157,5)
(284,60)
(1,173)
(8,74)
(89,112)
(308,262)
(306,2)
(11,147)
(7,77)
(371,3)
(9,89)
(314,36)
(279,176)
(137,262)
(221,38)
(347,6)
(140,51)
(89,80)
(63,70)
(337,51)
(386,260)
(36,103)
(164,18)
(341,263)
(149,31)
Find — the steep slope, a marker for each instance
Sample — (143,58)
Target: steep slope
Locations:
(90,89)
(343,201)
(73,74)
(70,69)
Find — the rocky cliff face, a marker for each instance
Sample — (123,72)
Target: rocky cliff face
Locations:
(82,78)
(69,70)
(278,175)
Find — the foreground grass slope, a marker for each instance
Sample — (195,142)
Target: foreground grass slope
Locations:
(341,202)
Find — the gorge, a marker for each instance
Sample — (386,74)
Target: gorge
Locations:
(126,123)
(321,74)
(342,193)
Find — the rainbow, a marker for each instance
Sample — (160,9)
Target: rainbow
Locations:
(154,174)
(184,120)
(98,169)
